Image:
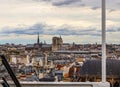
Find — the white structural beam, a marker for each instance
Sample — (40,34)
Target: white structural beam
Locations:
(103,40)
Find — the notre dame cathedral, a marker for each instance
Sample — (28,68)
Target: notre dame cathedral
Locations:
(56,43)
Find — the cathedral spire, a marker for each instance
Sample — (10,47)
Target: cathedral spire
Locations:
(38,41)
(60,36)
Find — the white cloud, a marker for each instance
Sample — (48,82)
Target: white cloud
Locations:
(14,13)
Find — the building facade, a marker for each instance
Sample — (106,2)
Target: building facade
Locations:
(56,43)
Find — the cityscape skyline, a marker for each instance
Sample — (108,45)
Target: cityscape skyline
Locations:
(76,21)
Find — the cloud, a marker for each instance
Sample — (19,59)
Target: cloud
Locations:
(45,29)
(118,3)
(25,30)
(111,10)
(113,29)
(65,2)
(62,2)
(95,8)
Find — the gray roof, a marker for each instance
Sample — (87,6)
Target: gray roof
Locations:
(93,67)
(46,46)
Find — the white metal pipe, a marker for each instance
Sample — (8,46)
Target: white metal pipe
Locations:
(103,40)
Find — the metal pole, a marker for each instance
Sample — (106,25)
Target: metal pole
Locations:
(11,73)
(103,40)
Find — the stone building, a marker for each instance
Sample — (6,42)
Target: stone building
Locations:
(56,43)
(91,71)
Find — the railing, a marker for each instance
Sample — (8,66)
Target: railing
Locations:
(61,84)
(12,75)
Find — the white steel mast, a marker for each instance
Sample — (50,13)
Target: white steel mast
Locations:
(103,40)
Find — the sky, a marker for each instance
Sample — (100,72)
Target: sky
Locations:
(76,21)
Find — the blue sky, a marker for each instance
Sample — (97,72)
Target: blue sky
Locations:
(76,21)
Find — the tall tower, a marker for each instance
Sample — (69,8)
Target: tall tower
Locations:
(38,41)
(60,42)
(56,43)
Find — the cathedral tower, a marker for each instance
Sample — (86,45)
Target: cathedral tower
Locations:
(38,41)
(57,43)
